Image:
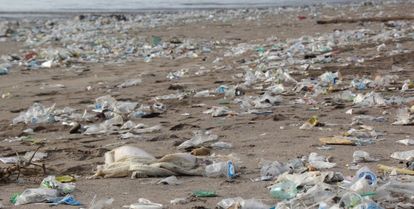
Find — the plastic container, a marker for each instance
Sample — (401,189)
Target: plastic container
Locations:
(368,205)
(4,71)
(284,190)
(271,170)
(350,200)
(221,169)
(366,173)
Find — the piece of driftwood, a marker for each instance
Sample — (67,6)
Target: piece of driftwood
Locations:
(388,169)
(336,141)
(16,169)
(363,19)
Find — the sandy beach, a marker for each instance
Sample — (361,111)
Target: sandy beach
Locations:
(214,48)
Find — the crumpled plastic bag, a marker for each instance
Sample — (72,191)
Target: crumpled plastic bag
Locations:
(360,156)
(319,161)
(218,111)
(369,100)
(37,113)
(199,139)
(144,204)
(404,155)
(241,203)
(128,160)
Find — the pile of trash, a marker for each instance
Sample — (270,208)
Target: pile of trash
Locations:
(106,107)
(53,190)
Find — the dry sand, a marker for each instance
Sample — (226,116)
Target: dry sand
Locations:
(253,137)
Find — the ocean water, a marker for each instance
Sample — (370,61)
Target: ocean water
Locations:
(139,5)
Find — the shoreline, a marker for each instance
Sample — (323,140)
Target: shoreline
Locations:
(171,10)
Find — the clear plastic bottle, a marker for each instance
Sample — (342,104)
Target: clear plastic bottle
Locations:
(221,169)
(350,200)
(284,190)
(3,71)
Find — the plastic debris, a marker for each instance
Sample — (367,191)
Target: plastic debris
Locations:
(271,170)
(135,162)
(199,139)
(241,203)
(37,113)
(103,203)
(202,193)
(284,190)
(218,111)
(67,200)
(172,180)
(221,169)
(221,145)
(404,117)
(145,204)
(404,155)
(319,162)
(360,156)
(406,142)
(129,83)
(369,100)
(38,156)
(4,71)
(36,196)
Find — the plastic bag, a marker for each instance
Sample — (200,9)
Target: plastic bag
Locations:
(36,196)
(200,138)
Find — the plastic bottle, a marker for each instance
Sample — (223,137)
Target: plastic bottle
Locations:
(323,205)
(361,186)
(350,200)
(284,190)
(4,71)
(222,89)
(221,169)
(229,202)
(368,205)
(230,171)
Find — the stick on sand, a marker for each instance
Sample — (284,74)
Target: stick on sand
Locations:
(364,19)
